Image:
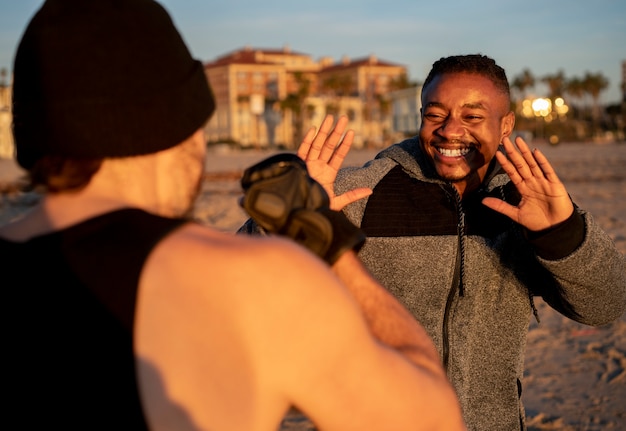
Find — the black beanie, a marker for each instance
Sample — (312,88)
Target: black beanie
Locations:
(104,78)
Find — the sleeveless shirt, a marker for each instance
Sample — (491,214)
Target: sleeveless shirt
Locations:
(69,312)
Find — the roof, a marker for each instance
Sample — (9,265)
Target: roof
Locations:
(250,55)
(370,60)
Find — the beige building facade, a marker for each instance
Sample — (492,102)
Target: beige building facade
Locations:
(271,97)
(6,135)
(268,98)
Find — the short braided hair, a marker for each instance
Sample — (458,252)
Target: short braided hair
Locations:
(472,63)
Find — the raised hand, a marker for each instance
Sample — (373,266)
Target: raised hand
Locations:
(324,154)
(545,202)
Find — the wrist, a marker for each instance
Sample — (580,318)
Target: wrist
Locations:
(560,240)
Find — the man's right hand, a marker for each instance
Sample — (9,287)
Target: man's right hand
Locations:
(324,154)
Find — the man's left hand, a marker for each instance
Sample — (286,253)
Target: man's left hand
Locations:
(545,202)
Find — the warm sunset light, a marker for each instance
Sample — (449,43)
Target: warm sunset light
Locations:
(542,107)
(560,107)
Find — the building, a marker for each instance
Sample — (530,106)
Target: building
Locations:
(406,105)
(369,80)
(249,85)
(6,134)
(270,97)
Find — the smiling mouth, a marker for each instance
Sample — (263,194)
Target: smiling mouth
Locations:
(453,152)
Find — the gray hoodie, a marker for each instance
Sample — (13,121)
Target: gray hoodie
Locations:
(469,274)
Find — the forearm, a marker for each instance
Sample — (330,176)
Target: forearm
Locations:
(591,280)
(389,321)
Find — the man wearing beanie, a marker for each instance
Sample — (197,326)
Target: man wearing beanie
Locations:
(122,313)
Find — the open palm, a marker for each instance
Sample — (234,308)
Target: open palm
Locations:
(324,154)
(545,202)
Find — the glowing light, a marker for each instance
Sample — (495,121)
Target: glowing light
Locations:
(542,107)
(560,107)
(527,109)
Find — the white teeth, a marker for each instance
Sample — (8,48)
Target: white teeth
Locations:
(457,152)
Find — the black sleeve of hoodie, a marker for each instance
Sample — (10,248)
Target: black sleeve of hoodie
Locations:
(561,240)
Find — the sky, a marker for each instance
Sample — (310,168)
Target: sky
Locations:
(573,36)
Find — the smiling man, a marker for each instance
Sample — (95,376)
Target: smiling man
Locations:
(465,118)
(465,228)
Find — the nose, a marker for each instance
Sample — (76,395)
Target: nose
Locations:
(452,128)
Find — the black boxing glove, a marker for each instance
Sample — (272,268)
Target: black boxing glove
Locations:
(282,198)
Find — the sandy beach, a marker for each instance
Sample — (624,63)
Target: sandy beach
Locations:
(575,376)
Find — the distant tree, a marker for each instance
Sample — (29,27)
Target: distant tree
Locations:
(401,82)
(574,87)
(556,84)
(384,105)
(524,81)
(3,77)
(294,103)
(338,85)
(593,84)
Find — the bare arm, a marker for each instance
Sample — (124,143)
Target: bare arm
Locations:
(238,329)
(349,371)
(388,320)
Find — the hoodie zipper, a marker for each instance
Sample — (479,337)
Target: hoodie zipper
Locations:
(458,277)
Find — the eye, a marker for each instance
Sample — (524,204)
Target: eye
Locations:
(473,118)
(434,117)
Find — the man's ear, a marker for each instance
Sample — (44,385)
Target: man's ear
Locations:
(507,125)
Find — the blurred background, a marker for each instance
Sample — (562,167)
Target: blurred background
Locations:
(279,67)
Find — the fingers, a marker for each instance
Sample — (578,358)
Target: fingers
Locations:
(339,202)
(305,146)
(526,163)
(323,144)
(330,144)
(529,158)
(320,138)
(546,167)
(312,143)
(508,167)
(339,155)
(502,207)
(521,158)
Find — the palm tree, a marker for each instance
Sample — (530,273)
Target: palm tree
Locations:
(555,83)
(401,82)
(338,85)
(294,103)
(574,87)
(594,84)
(523,82)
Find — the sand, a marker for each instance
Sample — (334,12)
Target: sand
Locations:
(575,376)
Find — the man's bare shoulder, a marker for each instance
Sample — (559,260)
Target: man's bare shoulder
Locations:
(195,255)
(194,242)
(269,285)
